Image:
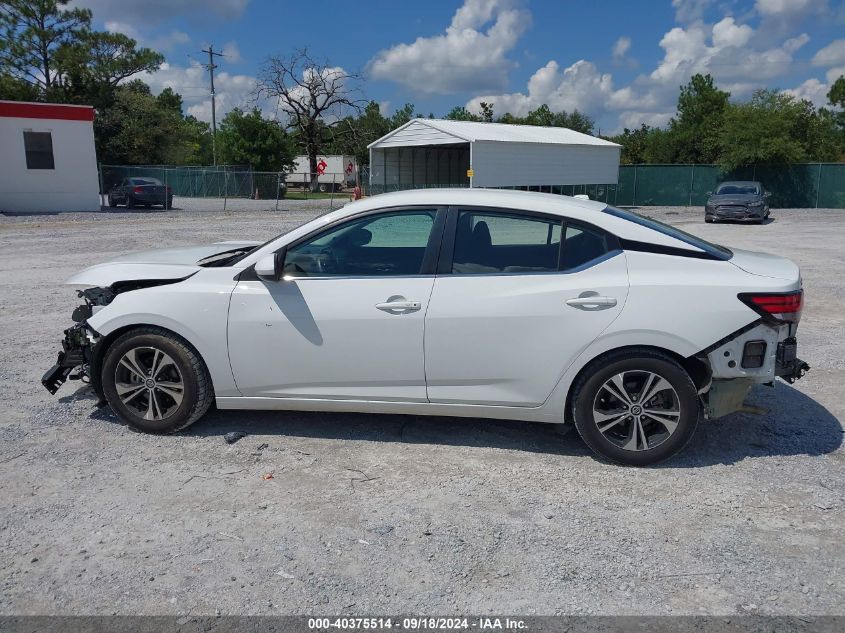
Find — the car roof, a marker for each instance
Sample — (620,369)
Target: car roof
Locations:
(503,198)
(740,182)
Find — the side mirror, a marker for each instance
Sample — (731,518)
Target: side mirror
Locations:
(709,193)
(269,267)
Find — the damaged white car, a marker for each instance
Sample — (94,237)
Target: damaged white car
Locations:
(482,303)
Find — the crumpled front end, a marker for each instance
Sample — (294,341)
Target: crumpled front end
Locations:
(79,341)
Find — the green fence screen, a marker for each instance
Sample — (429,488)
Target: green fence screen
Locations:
(820,185)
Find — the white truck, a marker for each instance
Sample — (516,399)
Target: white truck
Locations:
(334,172)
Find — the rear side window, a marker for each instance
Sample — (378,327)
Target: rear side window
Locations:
(581,246)
(505,243)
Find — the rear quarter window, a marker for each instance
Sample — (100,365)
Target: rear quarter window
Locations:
(716,251)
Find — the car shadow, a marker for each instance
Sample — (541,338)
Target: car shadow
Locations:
(107,209)
(766,222)
(792,424)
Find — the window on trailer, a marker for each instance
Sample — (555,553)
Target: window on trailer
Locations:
(39,150)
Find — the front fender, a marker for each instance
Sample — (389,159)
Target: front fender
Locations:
(201,301)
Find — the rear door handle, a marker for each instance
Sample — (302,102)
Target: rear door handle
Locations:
(399,307)
(592,303)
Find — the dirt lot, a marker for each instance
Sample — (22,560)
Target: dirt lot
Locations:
(386,514)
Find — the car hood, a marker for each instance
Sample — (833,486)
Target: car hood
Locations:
(734,199)
(155,264)
(766,265)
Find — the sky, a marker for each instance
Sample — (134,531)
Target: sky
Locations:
(619,61)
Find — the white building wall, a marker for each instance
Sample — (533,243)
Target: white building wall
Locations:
(504,164)
(71,186)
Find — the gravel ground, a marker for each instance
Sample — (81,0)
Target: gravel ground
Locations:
(386,514)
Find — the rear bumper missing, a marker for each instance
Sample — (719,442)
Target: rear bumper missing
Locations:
(757,354)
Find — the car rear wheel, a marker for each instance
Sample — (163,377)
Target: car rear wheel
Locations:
(636,407)
(155,382)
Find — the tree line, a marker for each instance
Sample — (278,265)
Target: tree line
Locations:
(49,52)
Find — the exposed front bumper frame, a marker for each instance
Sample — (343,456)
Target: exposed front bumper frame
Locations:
(77,351)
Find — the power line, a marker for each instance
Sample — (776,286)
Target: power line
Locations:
(211,66)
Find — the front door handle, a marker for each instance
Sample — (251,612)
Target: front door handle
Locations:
(592,303)
(399,306)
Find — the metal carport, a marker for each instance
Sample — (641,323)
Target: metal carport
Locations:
(438,153)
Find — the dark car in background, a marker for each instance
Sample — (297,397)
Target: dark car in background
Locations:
(141,192)
(743,200)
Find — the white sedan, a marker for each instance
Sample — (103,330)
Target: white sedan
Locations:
(478,303)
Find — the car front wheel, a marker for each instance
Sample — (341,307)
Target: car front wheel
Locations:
(636,408)
(154,381)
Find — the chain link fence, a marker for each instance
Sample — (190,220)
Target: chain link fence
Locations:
(809,185)
(232,181)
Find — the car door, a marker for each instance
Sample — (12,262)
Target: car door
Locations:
(346,321)
(514,304)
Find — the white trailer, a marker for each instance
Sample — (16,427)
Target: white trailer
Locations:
(334,172)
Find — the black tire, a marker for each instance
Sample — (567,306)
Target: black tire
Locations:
(112,202)
(589,392)
(709,220)
(197,392)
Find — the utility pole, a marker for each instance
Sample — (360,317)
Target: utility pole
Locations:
(211,66)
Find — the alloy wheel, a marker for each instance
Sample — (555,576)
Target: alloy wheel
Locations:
(149,383)
(637,410)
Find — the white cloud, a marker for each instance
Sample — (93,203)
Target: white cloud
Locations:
(812,90)
(789,8)
(580,86)
(621,48)
(830,55)
(690,10)
(158,43)
(232,53)
(728,33)
(635,119)
(740,57)
(231,90)
(464,58)
(834,73)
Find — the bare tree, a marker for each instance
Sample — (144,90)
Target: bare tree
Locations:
(313,94)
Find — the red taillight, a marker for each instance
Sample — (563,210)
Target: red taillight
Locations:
(138,190)
(778,306)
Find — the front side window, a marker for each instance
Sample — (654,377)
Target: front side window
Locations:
(376,245)
(505,243)
(39,150)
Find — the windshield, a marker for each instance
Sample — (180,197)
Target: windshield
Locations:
(736,188)
(717,251)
